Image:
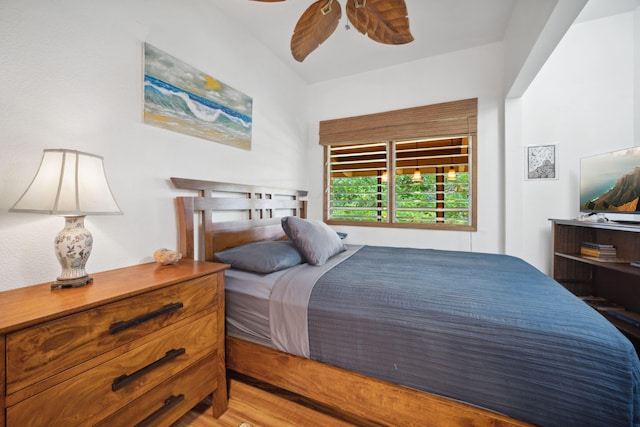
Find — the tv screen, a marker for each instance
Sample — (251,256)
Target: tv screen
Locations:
(610,182)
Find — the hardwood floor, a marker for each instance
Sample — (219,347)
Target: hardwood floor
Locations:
(259,407)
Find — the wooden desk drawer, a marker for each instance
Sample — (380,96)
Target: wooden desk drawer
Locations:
(170,400)
(112,385)
(39,352)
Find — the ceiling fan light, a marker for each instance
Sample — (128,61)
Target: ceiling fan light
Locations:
(320,20)
(417,177)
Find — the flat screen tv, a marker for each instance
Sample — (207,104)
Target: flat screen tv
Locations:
(610,182)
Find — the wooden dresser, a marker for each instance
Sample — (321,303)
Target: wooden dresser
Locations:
(140,345)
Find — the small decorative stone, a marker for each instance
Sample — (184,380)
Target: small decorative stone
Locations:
(165,256)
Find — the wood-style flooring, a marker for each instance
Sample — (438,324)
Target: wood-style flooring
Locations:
(260,407)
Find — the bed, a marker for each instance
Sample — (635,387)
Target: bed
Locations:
(386,335)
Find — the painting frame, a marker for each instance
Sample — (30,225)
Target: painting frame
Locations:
(181,98)
(541,162)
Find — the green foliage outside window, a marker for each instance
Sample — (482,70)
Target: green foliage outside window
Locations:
(366,199)
(359,199)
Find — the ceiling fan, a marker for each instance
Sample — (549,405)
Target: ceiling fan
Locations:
(384,21)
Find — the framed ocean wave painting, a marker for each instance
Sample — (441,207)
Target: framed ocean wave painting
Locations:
(183,99)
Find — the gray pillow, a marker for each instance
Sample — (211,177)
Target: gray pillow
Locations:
(315,240)
(262,257)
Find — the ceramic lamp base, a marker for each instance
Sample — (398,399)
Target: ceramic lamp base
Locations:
(71,283)
(73,246)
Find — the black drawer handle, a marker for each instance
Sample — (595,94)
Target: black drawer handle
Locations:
(169,403)
(125,379)
(125,324)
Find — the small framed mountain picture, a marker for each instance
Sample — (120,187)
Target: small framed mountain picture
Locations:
(541,162)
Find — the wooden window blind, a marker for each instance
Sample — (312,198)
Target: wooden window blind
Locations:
(429,121)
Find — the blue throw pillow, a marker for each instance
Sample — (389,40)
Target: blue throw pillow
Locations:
(262,257)
(315,240)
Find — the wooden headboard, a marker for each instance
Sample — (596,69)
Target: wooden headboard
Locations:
(224,215)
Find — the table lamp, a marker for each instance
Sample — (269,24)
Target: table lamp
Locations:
(71,184)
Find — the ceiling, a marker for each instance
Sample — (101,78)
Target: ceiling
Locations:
(438,26)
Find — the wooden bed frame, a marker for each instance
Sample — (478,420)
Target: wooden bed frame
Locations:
(260,209)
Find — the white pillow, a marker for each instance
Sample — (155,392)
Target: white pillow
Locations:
(315,240)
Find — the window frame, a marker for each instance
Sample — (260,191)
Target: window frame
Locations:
(432,122)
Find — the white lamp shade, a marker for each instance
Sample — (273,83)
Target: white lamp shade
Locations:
(69,182)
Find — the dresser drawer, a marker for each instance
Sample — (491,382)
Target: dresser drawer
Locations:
(45,350)
(170,400)
(112,385)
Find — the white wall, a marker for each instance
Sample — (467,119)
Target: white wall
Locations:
(583,100)
(71,78)
(534,30)
(465,74)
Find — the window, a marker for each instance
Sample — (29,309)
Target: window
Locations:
(425,181)
(358,183)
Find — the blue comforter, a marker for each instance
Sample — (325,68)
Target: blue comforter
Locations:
(489,330)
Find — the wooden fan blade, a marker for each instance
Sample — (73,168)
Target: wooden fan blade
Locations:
(315,25)
(384,21)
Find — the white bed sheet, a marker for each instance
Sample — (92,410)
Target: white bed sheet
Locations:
(259,311)
(247,304)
